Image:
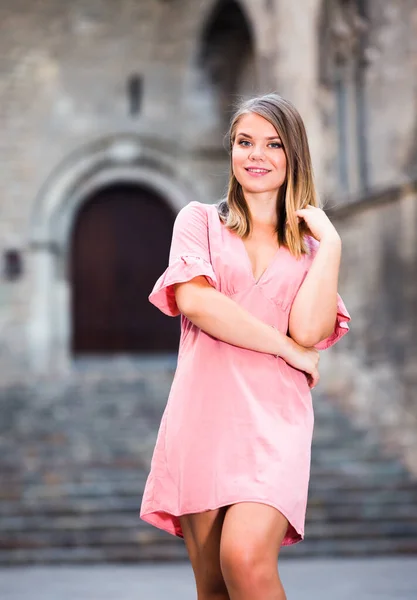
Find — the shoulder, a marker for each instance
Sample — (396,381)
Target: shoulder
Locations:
(192,217)
(196,213)
(193,209)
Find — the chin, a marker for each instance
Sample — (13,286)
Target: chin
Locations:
(258,189)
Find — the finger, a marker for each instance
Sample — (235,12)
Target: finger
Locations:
(307,208)
(314,379)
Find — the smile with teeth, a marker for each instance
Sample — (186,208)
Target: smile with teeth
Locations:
(257,171)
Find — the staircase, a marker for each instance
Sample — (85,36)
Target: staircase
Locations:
(74,457)
(361,502)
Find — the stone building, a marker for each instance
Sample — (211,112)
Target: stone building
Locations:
(113,117)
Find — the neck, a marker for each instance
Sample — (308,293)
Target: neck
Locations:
(262,208)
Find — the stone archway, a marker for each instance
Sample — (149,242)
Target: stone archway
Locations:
(124,159)
(225,66)
(227,58)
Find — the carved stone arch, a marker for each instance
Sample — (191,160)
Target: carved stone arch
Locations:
(255,19)
(125,158)
(224,67)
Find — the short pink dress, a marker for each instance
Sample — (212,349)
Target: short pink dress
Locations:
(238,424)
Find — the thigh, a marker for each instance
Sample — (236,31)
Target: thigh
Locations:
(202,535)
(252,535)
(252,532)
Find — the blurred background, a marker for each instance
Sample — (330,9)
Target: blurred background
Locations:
(113,115)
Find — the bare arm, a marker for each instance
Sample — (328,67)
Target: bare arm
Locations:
(224,319)
(314,311)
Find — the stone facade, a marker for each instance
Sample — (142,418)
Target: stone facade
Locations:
(96,91)
(373,373)
(65,73)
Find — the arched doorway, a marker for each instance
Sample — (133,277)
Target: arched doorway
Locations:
(119,247)
(224,70)
(227,55)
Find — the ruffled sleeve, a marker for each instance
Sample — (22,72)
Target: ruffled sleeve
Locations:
(341,326)
(189,257)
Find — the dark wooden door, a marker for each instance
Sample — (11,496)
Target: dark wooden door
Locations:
(120,246)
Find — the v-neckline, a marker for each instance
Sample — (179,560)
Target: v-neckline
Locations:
(255,280)
(247,257)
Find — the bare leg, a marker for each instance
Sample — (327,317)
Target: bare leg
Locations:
(202,533)
(251,539)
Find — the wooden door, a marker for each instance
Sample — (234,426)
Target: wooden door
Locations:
(120,246)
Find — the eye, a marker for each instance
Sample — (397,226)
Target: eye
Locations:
(276,145)
(243,143)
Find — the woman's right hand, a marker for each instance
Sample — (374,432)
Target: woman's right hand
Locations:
(304,359)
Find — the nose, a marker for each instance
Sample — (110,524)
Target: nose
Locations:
(257,153)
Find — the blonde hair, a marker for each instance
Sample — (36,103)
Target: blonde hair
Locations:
(298,190)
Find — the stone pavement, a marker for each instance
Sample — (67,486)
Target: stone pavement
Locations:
(304,579)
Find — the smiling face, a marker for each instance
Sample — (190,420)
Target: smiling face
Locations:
(258,158)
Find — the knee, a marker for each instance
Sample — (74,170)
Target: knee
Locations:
(246,567)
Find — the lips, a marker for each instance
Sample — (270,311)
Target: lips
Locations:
(258,171)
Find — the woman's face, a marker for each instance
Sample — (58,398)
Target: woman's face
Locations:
(258,158)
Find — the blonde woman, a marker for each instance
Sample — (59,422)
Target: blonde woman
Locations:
(255,281)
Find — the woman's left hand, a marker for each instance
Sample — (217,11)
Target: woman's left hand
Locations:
(317,222)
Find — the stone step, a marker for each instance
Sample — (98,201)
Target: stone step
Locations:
(75,476)
(56,505)
(58,449)
(349,516)
(82,536)
(327,497)
(378,475)
(31,471)
(362,529)
(362,484)
(125,532)
(171,548)
(365,512)
(335,452)
(322,491)
(121,487)
(354,547)
(27,525)
(72,506)
(158,550)
(380,471)
(398,505)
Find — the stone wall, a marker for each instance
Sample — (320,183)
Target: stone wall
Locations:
(391,91)
(66,425)
(372,373)
(63,87)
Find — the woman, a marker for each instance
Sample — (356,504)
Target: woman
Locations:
(255,281)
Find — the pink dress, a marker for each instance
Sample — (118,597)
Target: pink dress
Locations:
(238,424)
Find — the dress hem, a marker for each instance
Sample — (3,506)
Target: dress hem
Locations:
(152,517)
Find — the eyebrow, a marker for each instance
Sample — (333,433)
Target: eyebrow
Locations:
(273,137)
